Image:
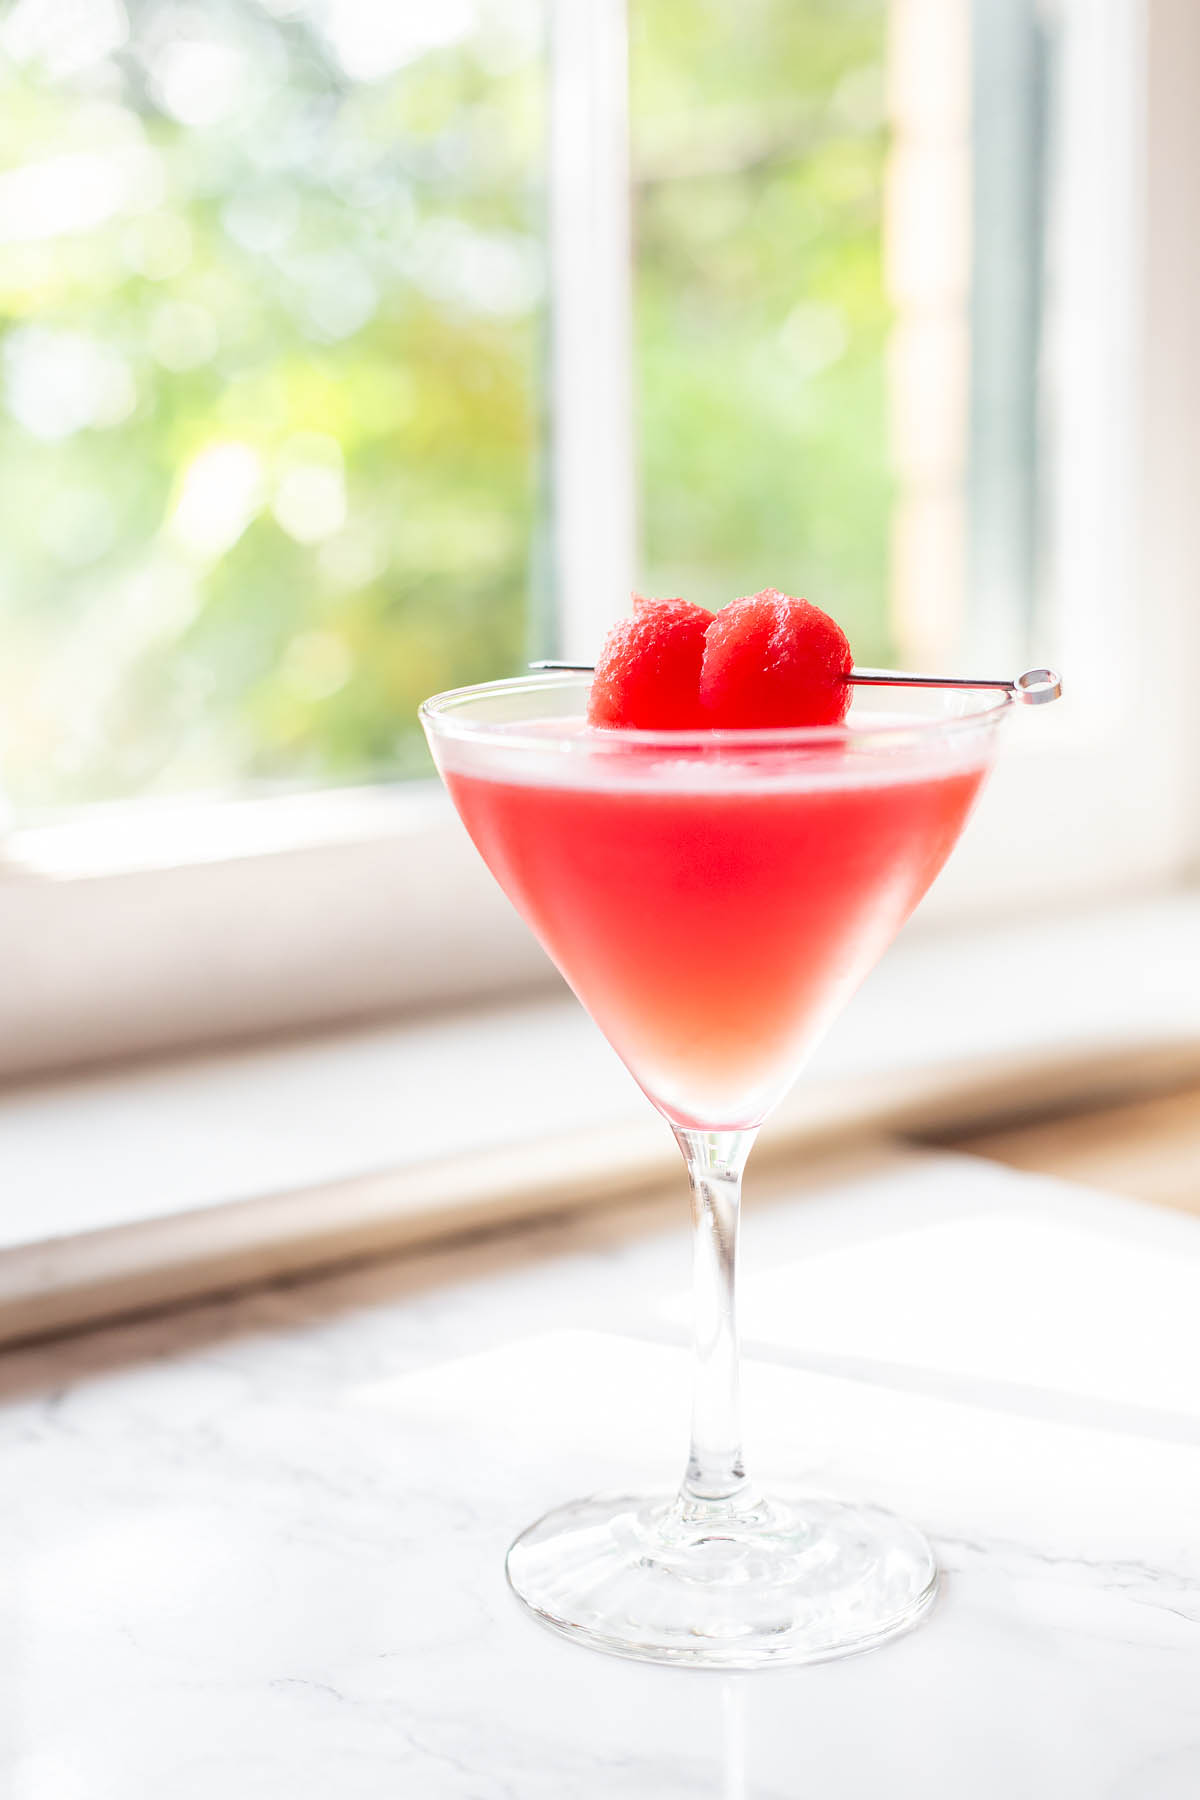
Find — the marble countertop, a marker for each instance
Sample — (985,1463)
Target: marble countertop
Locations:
(254,1550)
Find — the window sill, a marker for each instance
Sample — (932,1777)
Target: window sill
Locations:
(158,1184)
(144,928)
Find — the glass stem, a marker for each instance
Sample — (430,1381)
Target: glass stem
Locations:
(715,1160)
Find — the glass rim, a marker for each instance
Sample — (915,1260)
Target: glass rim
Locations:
(442,713)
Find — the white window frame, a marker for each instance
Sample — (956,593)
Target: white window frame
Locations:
(1099,797)
(140,927)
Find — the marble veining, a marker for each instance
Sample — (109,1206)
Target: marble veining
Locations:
(254,1550)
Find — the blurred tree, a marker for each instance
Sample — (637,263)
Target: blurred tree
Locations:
(761,318)
(272,294)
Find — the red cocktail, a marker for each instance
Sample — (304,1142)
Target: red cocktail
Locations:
(713,897)
(713,934)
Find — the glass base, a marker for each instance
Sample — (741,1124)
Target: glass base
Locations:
(718,1586)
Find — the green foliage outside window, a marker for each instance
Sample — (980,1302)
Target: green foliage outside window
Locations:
(761,319)
(272,334)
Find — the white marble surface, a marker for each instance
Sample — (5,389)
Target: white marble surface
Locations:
(255,1550)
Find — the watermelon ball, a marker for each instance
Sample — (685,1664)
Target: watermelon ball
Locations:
(648,672)
(770,660)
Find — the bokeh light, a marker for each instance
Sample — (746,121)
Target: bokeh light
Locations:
(274,315)
(271,303)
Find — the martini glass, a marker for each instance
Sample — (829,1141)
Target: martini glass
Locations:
(714,898)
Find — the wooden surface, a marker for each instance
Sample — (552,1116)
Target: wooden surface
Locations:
(1148,1149)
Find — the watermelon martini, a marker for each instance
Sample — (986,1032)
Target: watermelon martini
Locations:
(714,892)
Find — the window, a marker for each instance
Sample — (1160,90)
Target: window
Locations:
(388,343)
(759,158)
(272,280)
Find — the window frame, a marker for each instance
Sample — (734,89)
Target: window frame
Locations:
(137,928)
(1101,797)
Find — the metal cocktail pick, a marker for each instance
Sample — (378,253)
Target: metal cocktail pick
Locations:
(1034,688)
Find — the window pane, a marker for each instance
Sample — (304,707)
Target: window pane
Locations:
(759,146)
(271,288)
